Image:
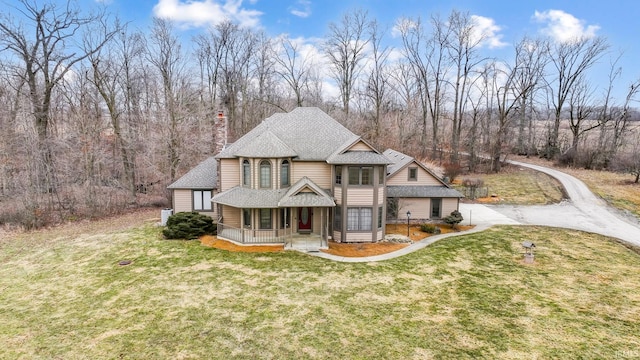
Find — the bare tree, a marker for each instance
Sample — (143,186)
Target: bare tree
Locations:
(426,55)
(112,77)
(376,88)
(47,53)
(570,60)
(293,67)
(580,109)
(345,48)
(533,59)
(164,53)
(462,48)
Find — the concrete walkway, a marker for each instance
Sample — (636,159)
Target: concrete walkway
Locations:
(583,211)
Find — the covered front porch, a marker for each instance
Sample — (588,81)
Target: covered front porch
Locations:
(301,228)
(300,214)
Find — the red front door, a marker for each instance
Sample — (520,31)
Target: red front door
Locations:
(304,219)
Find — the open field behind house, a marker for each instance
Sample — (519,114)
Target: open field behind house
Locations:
(64,295)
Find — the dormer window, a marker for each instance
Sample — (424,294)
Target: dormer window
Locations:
(284,174)
(246,173)
(265,174)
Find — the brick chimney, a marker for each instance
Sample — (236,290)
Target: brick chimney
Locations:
(220,128)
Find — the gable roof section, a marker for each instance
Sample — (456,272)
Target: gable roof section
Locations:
(310,133)
(345,155)
(203,176)
(297,197)
(400,161)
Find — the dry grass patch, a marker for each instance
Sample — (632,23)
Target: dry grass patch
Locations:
(462,297)
(520,186)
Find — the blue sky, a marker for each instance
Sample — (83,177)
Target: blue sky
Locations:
(507,21)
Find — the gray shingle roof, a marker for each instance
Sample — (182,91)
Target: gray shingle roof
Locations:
(266,145)
(398,161)
(241,197)
(358,157)
(203,176)
(309,132)
(418,191)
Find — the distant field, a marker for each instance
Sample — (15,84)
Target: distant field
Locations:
(64,295)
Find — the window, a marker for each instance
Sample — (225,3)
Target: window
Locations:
(202,200)
(380,217)
(284,173)
(246,215)
(337,218)
(246,173)
(436,204)
(359,219)
(265,218)
(285,218)
(360,175)
(338,174)
(413,174)
(265,174)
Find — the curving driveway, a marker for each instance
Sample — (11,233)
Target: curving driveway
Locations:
(582,211)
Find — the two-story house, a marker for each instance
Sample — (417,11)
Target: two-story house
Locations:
(304,174)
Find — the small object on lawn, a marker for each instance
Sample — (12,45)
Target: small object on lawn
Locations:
(124,262)
(528,248)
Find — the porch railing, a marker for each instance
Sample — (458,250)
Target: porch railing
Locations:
(253,236)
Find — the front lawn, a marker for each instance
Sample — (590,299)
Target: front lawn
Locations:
(471,296)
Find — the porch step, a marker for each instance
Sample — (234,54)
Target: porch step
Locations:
(305,243)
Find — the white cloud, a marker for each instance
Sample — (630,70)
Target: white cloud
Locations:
(486,29)
(563,27)
(206,12)
(302,9)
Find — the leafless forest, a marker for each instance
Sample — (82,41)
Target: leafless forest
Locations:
(97,117)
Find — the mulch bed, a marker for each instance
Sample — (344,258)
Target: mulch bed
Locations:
(214,242)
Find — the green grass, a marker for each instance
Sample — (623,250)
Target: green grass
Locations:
(520,186)
(463,297)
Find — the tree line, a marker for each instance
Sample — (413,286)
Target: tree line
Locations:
(99,117)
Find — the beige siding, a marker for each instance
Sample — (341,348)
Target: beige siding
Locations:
(337,236)
(420,208)
(182,200)
(360,196)
(449,205)
(358,237)
(318,172)
(360,146)
(338,195)
(229,173)
(231,216)
(402,177)
(380,235)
